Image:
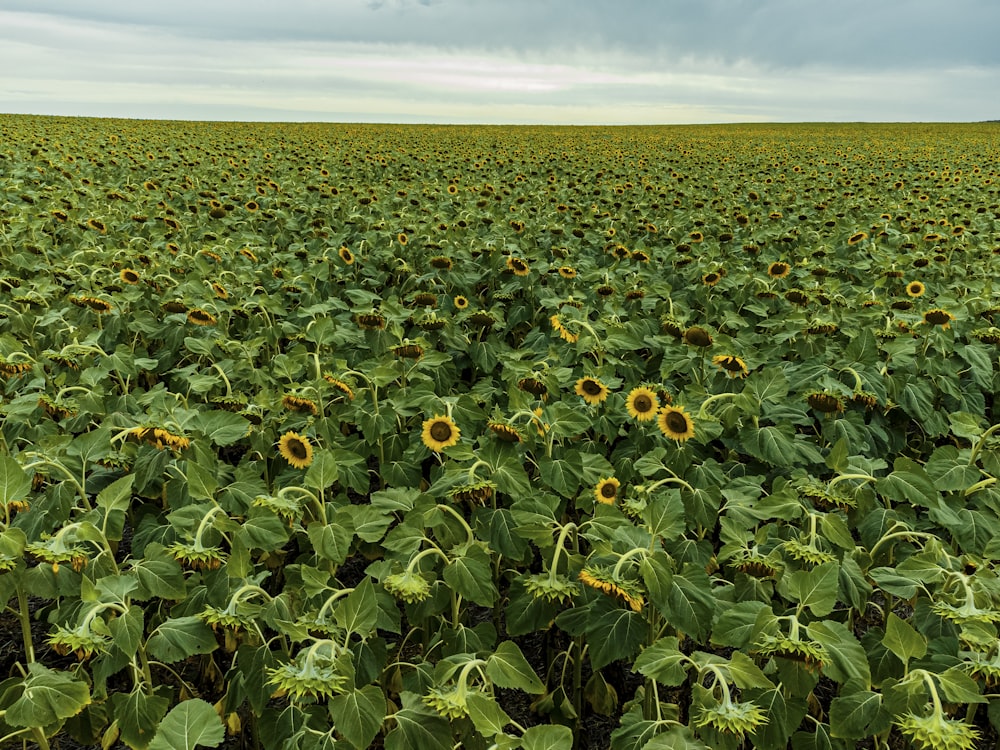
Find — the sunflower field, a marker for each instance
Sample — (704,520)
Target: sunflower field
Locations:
(324,436)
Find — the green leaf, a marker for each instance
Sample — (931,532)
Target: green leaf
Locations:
(322,472)
(848,659)
(507,668)
(783,717)
(558,474)
(958,687)
(188,725)
(816,588)
(221,427)
(690,604)
(903,640)
(201,483)
(735,625)
(472,578)
(138,715)
(664,515)
(547,737)
(908,481)
(358,612)
(48,698)
(617,634)
(675,738)
(486,714)
(358,715)
(116,496)
(332,541)
(853,716)
(746,674)
(417,728)
(15,484)
(181,637)
(161,579)
(663,662)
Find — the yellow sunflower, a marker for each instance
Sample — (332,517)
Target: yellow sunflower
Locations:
(642,404)
(439,432)
(567,272)
(607,490)
(732,365)
(711,278)
(915,289)
(346,255)
(201,317)
(592,391)
(939,317)
(675,423)
(519,266)
(401,238)
(296,449)
(857,237)
(778,270)
(460,302)
(129,276)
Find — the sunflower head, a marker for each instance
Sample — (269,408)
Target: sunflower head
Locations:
(567,272)
(642,404)
(129,276)
(711,278)
(697,336)
(200,317)
(730,364)
(519,266)
(460,302)
(401,238)
(505,432)
(296,449)
(857,237)
(825,402)
(439,432)
(939,317)
(346,255)
(606,490)
(915,289)
(675,423)
(592,390)
(778,270)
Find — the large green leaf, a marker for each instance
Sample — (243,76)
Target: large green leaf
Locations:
(358,715)
(663,662)
(506,667)
(181,637)
(138,714)
(190,724)
(816,588)
(903,640)
(547,737)
(48,698)
(15,484)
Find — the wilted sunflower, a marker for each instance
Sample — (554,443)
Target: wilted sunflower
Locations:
(201,317)
(778,270)
(97,225)
(346,255)
(296,449)
(939,317)
(299,404)
(519,266)
(697,336)
(441,262)
(825,402)
(220,291)
(603,580)
(592,391)
(505,432)
(408,351)
(340,385)
(642,404)
(915,289)
(564,333)
(730,364)
(251,206)
(439,432)
(372,321)
(640,256)
(606,490)
(675,423)
(129,276)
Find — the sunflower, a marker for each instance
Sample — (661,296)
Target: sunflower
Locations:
(730,364)
(567,272)
(401,238)
(696,237)
(299,404)
(201,317)
(97,225)
(129,276)
(607,490)
(642,404)
(251,206)
(439,432)
(592,391)
(778,270)
(675,423)
(408,351)
(603,580)
(519,266)
(441,262)
(915,289)
(460,302)
(453,189)
(340,385)
(825,402)
(857,237)
(697,336)
(425,299)
(505,432)
(640,256)
(296,449)
(711,278)
(564,333)
(372,321)
(346,255)
(220,291)
(939,317)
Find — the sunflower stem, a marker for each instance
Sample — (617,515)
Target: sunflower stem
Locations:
(468,530)
(560,542)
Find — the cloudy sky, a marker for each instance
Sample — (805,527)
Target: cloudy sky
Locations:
(507,61)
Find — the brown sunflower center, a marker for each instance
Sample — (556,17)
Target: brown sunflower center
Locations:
(642,403)
(591,387)
(732,364)
(676,423)
(698,337)
(937,317)
(519,265)
(298,449)
(441,431)
(609,490)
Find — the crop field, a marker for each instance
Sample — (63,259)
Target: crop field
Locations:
(324,436)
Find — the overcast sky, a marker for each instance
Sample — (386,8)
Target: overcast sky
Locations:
(513,61)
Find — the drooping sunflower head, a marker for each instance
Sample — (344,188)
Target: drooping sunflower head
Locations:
(642,404)
(825,402)
(519,266)
(441,262)
(129,276)
(711,278)
(939,317)
(606,490)
(592,390)
(507,433)
(567,272)
(778,270)
(296,449)
(439,432)
(300,404)
(200,317)
(915,289)
(697,336)
(857,237)
(675,423)
(730,364)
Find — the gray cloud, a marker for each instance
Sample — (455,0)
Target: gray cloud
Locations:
(523,60)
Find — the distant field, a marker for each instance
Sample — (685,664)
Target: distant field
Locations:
(349,436)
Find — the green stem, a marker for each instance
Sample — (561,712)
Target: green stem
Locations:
(703,411)
(25,619)
(979,443)
(563,534)
(468,531)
